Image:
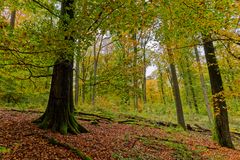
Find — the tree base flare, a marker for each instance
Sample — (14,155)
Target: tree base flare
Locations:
(69,125)
(59,116)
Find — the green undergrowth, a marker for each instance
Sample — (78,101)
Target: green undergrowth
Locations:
(158,112)
(112,109)
(4,150)
(121,156)
(180,150)
(177,129)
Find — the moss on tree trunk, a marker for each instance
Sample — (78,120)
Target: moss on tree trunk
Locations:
(59,113)
(219,103)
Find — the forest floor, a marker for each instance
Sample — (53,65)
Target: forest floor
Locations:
(21,139)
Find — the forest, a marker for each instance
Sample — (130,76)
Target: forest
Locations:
(120,79)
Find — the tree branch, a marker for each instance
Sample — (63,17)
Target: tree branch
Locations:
(45,7)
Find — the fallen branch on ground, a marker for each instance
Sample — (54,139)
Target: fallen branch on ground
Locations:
(94,115)
(194,127)
(25,111)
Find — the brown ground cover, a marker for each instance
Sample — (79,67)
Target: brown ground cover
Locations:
(105,141)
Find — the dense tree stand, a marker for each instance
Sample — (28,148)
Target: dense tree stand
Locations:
(59,113)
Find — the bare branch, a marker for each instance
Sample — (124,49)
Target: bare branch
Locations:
(4,48)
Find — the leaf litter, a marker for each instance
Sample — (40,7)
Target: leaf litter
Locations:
(22,140)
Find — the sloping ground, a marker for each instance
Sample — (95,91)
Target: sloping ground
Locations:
(20,139)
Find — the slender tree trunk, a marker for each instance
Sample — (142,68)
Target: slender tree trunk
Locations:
(144,88)
(94,74)
(171,95)
(178,101)
(13,19)
(77,71)
(219,103)
(191,86)
(83,81)
(186,87)
(58,115)
(203,86)
(161,87)
(135,80)
(144,42)
(95,66)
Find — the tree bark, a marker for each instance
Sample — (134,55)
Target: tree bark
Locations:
(171,95)
(178,102)
(177,97)
(95,66)
(161,87)
(94,73)
(135,80)
(191,86)
(84,80)
(144,84)
(186,87)
(203,86)
(13,19)
(219,103)
(77,70)
(59,112)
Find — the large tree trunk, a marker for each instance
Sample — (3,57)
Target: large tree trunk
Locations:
(219,103)
(59,113)
(204,87)
(178,102)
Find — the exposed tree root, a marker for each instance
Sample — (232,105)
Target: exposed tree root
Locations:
(66,125)
(76,151)
(94,115)
(76,113)
(25,111)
